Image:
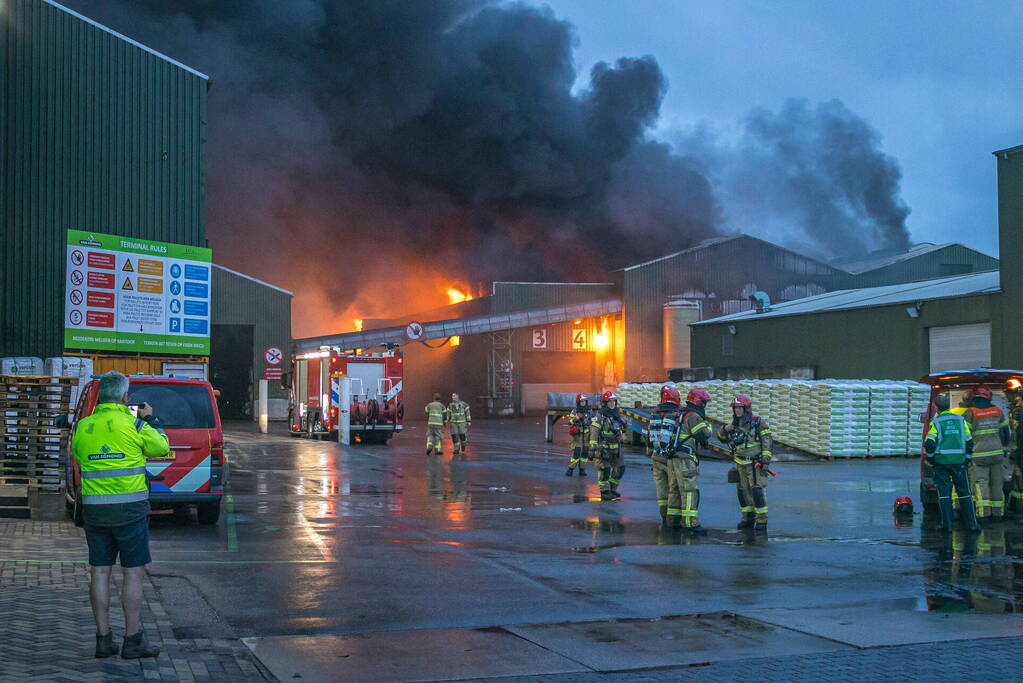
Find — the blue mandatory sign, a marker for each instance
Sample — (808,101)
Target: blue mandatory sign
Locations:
(175,306)
(175,287)
(175,270)
(175,324)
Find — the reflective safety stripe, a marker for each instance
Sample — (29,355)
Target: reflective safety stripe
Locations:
(674,512)
(1015,494)
(766,432)
(688,513)
(746,508)
(662,501)
(988,453)
(121,472)
(613,481)
(761,511)
(767,453)
(739,461)
(702,425)
(93,498)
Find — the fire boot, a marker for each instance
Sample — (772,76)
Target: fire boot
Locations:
(663,509)
(695,531)
(746,522)
(429,450)
(760,527)
(582,470)
(455,453)
(568,472)
(136,647)
(105,646)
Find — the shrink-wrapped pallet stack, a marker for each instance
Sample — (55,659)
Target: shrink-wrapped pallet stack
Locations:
(829,418)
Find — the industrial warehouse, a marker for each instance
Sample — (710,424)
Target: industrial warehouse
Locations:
(307,307)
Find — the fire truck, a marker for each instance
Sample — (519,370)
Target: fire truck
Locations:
(346,396)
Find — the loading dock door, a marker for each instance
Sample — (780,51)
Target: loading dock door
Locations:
(569,372)
(960,347)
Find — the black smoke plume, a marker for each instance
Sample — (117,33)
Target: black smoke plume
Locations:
(359,146)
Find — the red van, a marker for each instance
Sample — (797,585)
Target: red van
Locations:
(193,471)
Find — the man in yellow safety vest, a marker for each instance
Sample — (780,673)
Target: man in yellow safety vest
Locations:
(111,447)
(436,416)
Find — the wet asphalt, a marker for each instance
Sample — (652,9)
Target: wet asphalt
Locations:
(319,538)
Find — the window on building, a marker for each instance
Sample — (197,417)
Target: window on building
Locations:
(727,345)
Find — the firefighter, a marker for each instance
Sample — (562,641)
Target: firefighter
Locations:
(949,445)
(579,428)
(661,440)
(436,416)
(606,428)
(1015,397)
(460,419)
(990,435)
(750,440)
(683,484)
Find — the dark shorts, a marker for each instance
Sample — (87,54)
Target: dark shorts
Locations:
(130,541)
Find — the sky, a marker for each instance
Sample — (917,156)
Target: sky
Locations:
(938,80)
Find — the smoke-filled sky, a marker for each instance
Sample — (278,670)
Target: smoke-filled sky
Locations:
(391,147)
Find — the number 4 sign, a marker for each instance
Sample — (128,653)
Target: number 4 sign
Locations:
(540,338)
(579,339)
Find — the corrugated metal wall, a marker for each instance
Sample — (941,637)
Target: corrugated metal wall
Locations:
(97,134)
(716,274)
(954,259)
(520,296)
(239,300)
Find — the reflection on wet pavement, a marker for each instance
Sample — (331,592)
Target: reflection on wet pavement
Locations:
(368,538)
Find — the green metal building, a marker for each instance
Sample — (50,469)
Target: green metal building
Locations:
(901,331)
(919,262)
(99,133)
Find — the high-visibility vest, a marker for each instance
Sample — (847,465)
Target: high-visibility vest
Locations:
(950,433)
(435,414)
(459,412)
(111,446)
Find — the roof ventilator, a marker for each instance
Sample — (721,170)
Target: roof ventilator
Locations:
(761,302)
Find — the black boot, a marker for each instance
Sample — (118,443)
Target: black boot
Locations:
(695,531)
(746,523)
(136,646)
(582,470)
(105,646)
(760,527)
(568,472)
(429,450)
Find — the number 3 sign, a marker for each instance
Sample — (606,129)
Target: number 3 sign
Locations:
(540,338)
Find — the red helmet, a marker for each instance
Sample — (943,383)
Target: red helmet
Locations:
(698,397)
(742,401)
(608,396)
(579,398)
(903,504)
(669,394)
(982,391)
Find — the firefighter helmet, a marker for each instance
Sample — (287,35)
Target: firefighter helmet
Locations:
(903,505)
(698,397)
(982,391)
(669,394)
(581,398)
(941,402)
(608,396)
(742,401)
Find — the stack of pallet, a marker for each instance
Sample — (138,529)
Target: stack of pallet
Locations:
(34,447)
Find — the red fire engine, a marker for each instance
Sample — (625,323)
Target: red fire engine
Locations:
(344,395)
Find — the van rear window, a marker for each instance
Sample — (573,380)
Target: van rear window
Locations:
(178,406)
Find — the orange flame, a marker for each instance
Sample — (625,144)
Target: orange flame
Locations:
(457,296)
(601,339)
(358,324)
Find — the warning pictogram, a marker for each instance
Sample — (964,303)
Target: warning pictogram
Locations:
(127,266)
(77,258)
(76,277)
(76,296)
(76,317)
(127,283)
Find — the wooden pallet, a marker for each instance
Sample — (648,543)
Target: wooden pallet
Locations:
(32,447)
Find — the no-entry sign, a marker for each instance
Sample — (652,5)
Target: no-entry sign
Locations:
(273,355)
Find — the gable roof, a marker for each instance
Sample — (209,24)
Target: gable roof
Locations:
(883,260)
(986,282)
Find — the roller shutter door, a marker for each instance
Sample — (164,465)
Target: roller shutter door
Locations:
(566,372)
(960,347)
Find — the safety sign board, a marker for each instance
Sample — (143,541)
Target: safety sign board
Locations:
(273,373)
(415,331)
(128,294)
(273,355)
